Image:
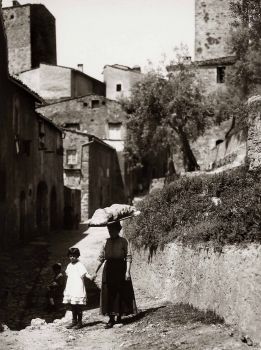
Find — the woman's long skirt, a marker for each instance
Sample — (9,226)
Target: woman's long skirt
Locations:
(117,294)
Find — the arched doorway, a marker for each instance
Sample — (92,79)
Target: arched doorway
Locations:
(53,210)
(22,210)
(42,207)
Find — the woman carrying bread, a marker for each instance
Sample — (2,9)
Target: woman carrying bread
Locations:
(117,295)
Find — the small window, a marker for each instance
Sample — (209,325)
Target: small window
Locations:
(115,131)
(85,104)
(3,185)
(95,103)
(72,126)
(26,147)
(71,156)
(221,75)
(118,87)
(41,134)
(16,115)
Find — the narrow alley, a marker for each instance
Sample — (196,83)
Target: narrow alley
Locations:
(158,325)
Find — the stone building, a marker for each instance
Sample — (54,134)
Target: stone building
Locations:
(120,79)
(30,31)
(76,101)
(54,83)
(31,36)
(95,115)
(212,27)
(92,166)
(92,113)
(213,54)
(31,168)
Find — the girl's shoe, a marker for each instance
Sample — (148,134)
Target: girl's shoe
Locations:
(118,319)
(79,325)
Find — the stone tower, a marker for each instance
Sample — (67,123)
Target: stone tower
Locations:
(3,46)
(31,36)
(212,27)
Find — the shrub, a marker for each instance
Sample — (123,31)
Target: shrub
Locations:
(185,211)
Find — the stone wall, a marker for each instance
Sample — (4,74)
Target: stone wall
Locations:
(30,31)
(33,168)
(212,25)
(106,185)
(227,282)
(231,152)
(81,111)
(43,36)
(205,145)
(254,132)
(207,75)
(18,31)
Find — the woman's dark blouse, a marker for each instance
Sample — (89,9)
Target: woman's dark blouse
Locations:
(117,248)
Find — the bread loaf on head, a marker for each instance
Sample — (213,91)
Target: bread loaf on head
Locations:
(113,213)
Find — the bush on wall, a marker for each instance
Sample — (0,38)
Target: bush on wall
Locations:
(219,209)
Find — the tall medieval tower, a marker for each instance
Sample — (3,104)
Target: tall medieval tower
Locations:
(31,36)
(212,27)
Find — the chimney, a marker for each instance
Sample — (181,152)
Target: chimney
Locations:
(16,3)
(80,67)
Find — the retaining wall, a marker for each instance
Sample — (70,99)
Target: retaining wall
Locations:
(227,282)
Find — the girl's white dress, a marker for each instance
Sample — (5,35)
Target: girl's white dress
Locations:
(75,292)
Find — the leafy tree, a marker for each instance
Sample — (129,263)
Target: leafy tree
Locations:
(165,113)
(245,41)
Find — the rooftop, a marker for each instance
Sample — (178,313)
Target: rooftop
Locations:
(220,61)
(18,82)
(135,69)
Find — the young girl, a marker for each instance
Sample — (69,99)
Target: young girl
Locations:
(75,293)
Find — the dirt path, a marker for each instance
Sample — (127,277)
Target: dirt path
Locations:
(159,325)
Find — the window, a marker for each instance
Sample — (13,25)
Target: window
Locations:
(16,115)
(118,87)
(95,103)
(3,185)
(41,135)
(71,157)
(26,147)
(115,131)
(72,126)
(221,75)
(85,104)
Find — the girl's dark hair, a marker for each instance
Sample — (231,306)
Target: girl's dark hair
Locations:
(73,252)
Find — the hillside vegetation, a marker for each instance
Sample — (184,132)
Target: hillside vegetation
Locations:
(214,209)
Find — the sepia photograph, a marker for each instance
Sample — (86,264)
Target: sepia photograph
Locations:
(130,174)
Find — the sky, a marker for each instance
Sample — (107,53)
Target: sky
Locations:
(128,32)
